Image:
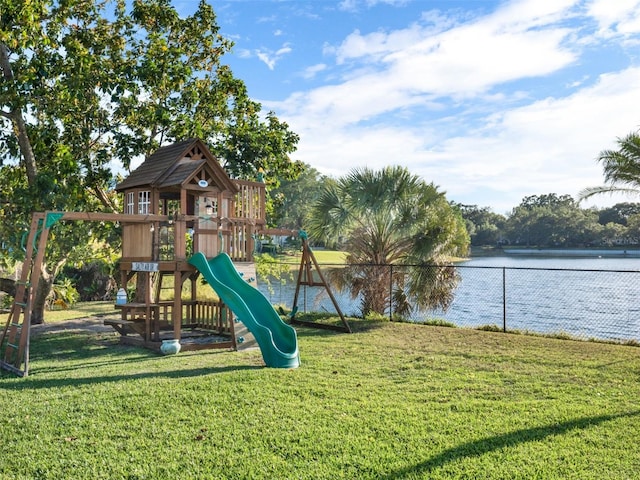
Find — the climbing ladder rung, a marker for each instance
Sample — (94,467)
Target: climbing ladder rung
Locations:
(14,338)
(11,368)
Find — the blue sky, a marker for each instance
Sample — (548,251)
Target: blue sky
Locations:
(490,100)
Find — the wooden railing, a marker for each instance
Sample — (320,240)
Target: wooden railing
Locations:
(250,201)
(209,315)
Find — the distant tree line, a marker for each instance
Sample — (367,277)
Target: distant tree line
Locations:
(553,220)
(548,220)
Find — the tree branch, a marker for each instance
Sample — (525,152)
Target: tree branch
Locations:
(19,125)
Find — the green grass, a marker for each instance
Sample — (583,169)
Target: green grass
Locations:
(323,257)
(391,401)
(329,257)
(80,310)
(334,258)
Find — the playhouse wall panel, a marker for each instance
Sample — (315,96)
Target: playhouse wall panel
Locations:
(137,241)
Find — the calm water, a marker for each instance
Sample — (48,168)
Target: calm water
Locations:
(585,297)
(579,263)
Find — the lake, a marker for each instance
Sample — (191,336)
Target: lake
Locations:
(594,297)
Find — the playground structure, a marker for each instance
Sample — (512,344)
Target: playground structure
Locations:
(178,202)
(205,211)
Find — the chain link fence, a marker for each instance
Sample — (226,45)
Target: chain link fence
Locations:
(583,304)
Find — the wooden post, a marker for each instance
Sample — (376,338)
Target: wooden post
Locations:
(176,313)
(147,303)
(180,255)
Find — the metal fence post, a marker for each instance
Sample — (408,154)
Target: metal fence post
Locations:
(504,299)
(391,293)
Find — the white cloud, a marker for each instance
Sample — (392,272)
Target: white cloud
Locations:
(621,17)
(375,46)
(472,59)
(313,70)
(551,142)
(352,5)
(284,50)
(473,130)
(270,58)
(267,19)
(415,66)
(548,146)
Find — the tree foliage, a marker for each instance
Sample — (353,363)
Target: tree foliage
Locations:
(391,217)
(618,213)
(484,226)
(552,220)
(621,168)
(293,199)
(91,86)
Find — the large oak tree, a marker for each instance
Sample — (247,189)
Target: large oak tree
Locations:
(88,86)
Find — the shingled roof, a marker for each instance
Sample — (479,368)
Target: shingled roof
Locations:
(166,167)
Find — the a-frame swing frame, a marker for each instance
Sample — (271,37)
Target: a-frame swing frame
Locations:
(305,277)
(15,335)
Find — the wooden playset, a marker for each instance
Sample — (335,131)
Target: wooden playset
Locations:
(206,212)
(178,202)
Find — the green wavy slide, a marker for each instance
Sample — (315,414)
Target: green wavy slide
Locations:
(277,340)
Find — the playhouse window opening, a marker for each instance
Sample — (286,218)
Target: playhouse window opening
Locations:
(169,207)
(144,202)
(130,203)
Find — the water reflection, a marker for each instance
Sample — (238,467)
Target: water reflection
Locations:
(583,297)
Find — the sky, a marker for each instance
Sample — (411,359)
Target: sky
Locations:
(491,101)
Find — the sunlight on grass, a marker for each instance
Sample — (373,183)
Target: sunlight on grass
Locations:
(80,310)
(324,257)
(392,400)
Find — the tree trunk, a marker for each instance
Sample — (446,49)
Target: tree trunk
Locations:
(45,284)
(17,121)
(102,196)
(8,286)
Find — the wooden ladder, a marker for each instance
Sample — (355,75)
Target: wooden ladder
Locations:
(14,342)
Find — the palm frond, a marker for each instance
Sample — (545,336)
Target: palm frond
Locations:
(621,168)
(606,189)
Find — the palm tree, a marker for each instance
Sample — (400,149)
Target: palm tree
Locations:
(391,217)
(621,168)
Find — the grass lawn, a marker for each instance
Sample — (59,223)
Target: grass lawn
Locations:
(323,257)
(332,258)
(81,310)
(390,401)
(329,257)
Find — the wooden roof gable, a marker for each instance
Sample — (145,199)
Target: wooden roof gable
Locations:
(176,165)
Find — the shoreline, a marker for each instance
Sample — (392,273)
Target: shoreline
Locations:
(554,252)
(573,252)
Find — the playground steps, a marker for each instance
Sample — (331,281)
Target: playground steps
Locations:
(125,327)
(14,341)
